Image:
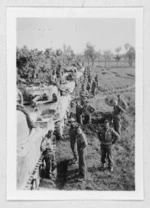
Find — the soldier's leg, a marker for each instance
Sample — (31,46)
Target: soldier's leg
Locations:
(94,91)
(90,120)
(109,156)
(73,148)
(87,119)
(47,161)
(54,167)
(54,164)
(103,155)
(82,163)
(117,125)
(78,119)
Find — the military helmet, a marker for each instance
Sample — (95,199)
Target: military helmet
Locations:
(72,119)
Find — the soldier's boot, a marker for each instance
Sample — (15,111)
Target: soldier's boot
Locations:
(111,169)
(74,161)
(81,177)
(102,167)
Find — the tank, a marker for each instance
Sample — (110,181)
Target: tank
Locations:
(32,125)
(29,137)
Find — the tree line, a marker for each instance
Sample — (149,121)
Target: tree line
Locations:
(31,63)
(128,56)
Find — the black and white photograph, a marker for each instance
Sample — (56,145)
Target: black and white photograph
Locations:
(76,106)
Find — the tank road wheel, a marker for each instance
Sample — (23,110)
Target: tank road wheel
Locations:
(34,185)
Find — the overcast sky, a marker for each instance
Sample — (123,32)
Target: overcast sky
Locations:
(42,33)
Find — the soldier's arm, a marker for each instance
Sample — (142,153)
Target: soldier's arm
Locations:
(81,119)
(84,141)
(99,134)
(121,109)
(116,136)
(42,147)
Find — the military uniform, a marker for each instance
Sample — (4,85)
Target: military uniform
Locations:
(88,86)
(107,138)
(96,81)
(72,134)
(48,147)
(79,113)
(81,146)
(93,87)
(118,110)
(86,112)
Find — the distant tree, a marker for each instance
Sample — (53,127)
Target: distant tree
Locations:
(79,57)
(117,57)
(68,53)
(58,52)
(22,60)
(90,53)
(26,62)
(130,54)
(99,56)
(107,55)
(48,53)
(126,46)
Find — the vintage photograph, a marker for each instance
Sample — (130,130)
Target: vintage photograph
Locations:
(75,108)
(74,104)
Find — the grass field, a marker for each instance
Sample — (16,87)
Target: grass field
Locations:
(113,81)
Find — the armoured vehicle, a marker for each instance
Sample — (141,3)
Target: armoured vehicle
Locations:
(42,94)
(29,158)
(33,124)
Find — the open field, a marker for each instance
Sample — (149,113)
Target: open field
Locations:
(113,81)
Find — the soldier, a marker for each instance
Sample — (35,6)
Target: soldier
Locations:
(93,87)
(96,80)
(86,111)
(48,152)
(72,134)
(58,70)
(78,113)
(107,137)
(89,78)
(84,93)
(121,102)
(81,146)
(117,112)
(88,86)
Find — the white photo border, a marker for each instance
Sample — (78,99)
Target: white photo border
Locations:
(12,15)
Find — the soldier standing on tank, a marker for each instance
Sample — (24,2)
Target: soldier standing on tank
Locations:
(107,136)
(48,152)
(73,140)
(81,146)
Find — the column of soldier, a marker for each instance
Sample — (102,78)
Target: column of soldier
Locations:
(107,135)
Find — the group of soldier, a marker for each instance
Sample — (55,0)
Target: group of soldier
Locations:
(89,84)
(108,135)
